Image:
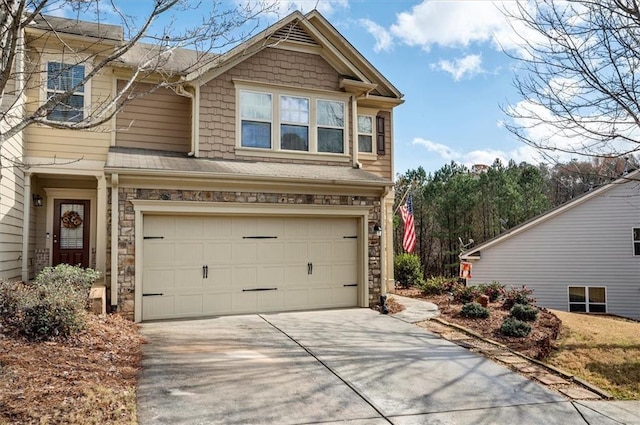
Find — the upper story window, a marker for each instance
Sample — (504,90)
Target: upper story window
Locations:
(280,121)
(256,117)
(365,133)
(294,123)
(636,241)
(63,78)
(330,126)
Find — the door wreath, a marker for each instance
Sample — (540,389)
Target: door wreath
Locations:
(71,220)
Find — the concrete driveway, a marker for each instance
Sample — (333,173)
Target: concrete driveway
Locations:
(350,366)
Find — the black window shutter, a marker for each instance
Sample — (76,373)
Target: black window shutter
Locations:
(380,134)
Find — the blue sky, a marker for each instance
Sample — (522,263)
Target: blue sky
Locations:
(446,57)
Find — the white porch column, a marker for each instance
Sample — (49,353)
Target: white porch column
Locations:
(26,214)
(114,239)
(101,225)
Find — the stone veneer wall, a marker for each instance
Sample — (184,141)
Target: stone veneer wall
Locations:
(126,237)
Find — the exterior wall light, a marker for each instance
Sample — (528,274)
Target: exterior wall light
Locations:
(37,200)
(377,229)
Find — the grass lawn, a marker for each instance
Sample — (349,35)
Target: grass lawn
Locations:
(603,350)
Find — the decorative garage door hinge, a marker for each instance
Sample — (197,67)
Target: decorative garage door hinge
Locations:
(350,237)
(153,295)
(153,237)
(350,284)
(259,289)
(259,237)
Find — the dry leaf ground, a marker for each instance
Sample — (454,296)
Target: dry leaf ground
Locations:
(89,378)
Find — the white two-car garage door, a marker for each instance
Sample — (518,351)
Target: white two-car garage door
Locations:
(198,266)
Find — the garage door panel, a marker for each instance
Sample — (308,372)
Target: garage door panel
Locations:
(217,303)
(296,298)
(270,300)
(271,276)
(219,280)
(271,252)
(297,251)
(157,253)
(158,308)
(188,253)
(244,278)
(242,302)
(159,280)
(188,305)
(217,253)
(244,254)
(218,227)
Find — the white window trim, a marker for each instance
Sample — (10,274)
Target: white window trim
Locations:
(586,299)
(634,241)
(276,92)
(373,155)
(45,58)
(372,152)
(280,123)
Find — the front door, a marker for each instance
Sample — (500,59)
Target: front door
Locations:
(71,232)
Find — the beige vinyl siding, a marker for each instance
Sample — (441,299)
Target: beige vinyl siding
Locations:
(271,66)
(93,144)
(382,164)
(159,120)
(587,245)
(11,211)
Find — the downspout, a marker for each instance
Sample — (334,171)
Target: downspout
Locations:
(26,214)
(195,108)
(114,239)
(354,131)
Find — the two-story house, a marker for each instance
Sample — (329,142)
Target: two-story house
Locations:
(262,182)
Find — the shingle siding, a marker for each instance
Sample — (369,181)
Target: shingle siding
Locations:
(587,245)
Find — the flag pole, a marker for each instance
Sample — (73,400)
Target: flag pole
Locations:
(406,193)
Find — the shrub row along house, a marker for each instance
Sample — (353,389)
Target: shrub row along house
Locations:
(583,256)
(259,182)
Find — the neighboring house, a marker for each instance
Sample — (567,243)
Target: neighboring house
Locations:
(583,256)
(261,183)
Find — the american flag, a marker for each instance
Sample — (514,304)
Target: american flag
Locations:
(409,236)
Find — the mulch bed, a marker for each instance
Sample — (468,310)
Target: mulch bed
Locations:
(538,345)
(88,378)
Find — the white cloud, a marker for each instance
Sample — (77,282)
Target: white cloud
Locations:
(481,156)
(464,67)
(384,40)
(448,23)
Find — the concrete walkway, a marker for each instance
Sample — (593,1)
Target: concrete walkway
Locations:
(350,366)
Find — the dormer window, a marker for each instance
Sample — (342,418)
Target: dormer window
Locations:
(66,78)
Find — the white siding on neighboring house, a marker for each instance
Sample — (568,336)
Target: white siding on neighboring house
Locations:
(589,244)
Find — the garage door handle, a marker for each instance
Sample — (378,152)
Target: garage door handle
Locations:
(309,268)
(205,272)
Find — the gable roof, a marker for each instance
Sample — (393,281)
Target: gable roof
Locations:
(311,32)
(77,27)
(474,252)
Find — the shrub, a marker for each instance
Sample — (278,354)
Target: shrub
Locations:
(474,311)
(515,296)
(465,294)
(493,290)
(438,285)
(524,312)
(407,269)
(52,305)
(515,327)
